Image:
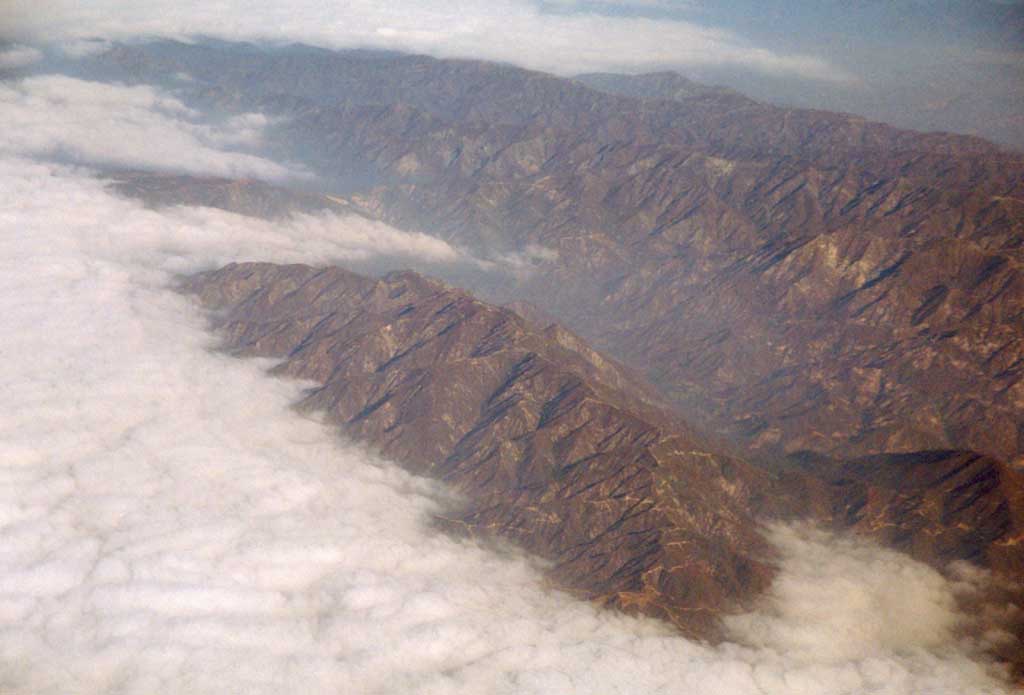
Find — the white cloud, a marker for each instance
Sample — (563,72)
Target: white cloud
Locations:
(58,116)
(168,524)
(515,31)
(841,599)
(19,56)
(520,263)
(64,118)
(328,236)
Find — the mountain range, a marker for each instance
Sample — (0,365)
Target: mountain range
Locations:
(798,280)
(731,311)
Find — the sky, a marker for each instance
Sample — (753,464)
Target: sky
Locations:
(169,524)
(928,64)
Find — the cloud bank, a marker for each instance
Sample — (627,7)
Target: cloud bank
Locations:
(168,524)
(841,599)
(69,119)
(516,31)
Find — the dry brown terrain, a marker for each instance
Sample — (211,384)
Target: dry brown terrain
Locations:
(796,279)
(567,454)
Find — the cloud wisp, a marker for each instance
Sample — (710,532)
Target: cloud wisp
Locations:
(70,119)
(522,32)
(16,56)
(169,525)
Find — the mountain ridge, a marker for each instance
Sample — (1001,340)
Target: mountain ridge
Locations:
(555,451)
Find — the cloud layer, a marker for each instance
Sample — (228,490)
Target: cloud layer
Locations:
(16,56)
(516,31)
(843,599)
(168,525)
(70,119)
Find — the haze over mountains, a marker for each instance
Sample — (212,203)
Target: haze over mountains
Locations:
(866,278)
(805,317)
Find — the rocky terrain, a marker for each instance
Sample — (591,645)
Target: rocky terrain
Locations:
(569,455)
(837,301)
(798,280)
(552,444)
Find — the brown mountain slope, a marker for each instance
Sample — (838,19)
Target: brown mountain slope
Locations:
(557,448)
(941,506)
(549,444)
(849,342)
(798,279)
(798,308)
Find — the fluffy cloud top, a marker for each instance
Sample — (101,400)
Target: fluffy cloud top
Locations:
(168,525)
(515,31)
(62,117)
(843,599)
